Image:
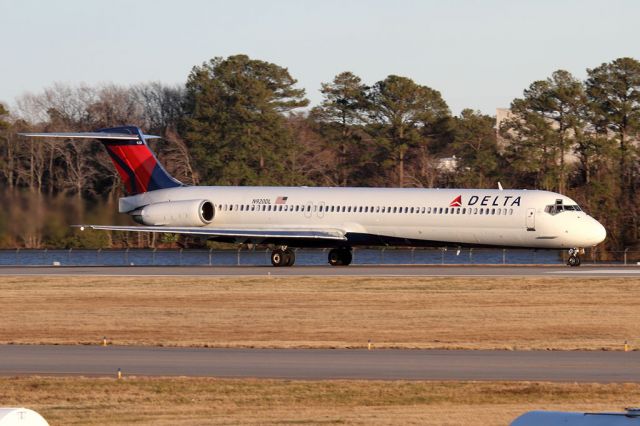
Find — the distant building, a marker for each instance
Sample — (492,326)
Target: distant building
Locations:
(503,114)
(447,164)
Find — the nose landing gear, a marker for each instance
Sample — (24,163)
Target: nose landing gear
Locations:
(283,256)
(340,256)
(574,257)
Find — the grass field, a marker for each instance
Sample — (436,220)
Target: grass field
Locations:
(197,401)
(474,313)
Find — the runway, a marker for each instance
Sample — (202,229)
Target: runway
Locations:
(631,271)
(322,364)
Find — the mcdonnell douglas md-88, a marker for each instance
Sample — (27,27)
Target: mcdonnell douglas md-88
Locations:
(337,218)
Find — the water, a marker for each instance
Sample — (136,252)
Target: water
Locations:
(148,257)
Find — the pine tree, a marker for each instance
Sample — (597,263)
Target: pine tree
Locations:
(234,120)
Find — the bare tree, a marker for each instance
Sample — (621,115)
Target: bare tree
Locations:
(176,157)
(161,104)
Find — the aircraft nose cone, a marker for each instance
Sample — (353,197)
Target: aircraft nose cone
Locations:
(598,233)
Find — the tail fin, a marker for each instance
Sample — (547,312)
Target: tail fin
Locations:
(139,169)
(127,146)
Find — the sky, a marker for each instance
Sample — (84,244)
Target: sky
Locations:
(478,54)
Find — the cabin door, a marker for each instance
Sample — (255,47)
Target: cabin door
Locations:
(531,219)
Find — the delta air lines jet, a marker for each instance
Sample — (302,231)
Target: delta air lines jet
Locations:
(337,218)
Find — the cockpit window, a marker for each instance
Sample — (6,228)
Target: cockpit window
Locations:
(559,208)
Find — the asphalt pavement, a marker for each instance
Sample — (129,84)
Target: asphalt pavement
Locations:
(631,271)
(322,364)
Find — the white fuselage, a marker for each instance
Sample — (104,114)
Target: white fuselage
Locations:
(408,216)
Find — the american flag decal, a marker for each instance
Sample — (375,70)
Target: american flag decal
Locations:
(281,200)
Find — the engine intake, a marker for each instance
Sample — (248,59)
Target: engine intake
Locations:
(176,213)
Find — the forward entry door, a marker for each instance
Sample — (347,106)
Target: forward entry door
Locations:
(531,219)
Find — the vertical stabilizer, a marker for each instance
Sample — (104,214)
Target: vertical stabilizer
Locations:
(138,167)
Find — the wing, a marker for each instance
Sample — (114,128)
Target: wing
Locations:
(321,234)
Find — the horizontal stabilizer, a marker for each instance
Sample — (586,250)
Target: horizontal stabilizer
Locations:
(324,234)
(89,135)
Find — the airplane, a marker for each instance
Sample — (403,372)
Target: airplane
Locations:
(337,218)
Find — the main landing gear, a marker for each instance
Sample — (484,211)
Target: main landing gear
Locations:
(283,256)
(340,256)
(574,257)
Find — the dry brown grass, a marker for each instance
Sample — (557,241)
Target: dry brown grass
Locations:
(197,401)
(522,313)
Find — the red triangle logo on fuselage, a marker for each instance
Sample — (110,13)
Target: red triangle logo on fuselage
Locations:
(457,202)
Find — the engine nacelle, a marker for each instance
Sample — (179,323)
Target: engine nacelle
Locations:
(176,213)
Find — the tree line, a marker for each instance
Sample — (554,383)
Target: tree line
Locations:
(243,121)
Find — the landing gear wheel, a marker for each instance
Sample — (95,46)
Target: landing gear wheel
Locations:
(573,261)
(278,257)
(291,257)
(340,256)
(347,257)
(283,257)
(574,257)
(334,257)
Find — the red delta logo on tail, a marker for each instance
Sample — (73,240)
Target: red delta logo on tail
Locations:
(457,202)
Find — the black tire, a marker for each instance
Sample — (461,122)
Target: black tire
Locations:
(291,257)
(573,261)
(278,257)
(335,259)
(340,257)
(347,257)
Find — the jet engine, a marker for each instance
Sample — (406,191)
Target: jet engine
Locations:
(176,213)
